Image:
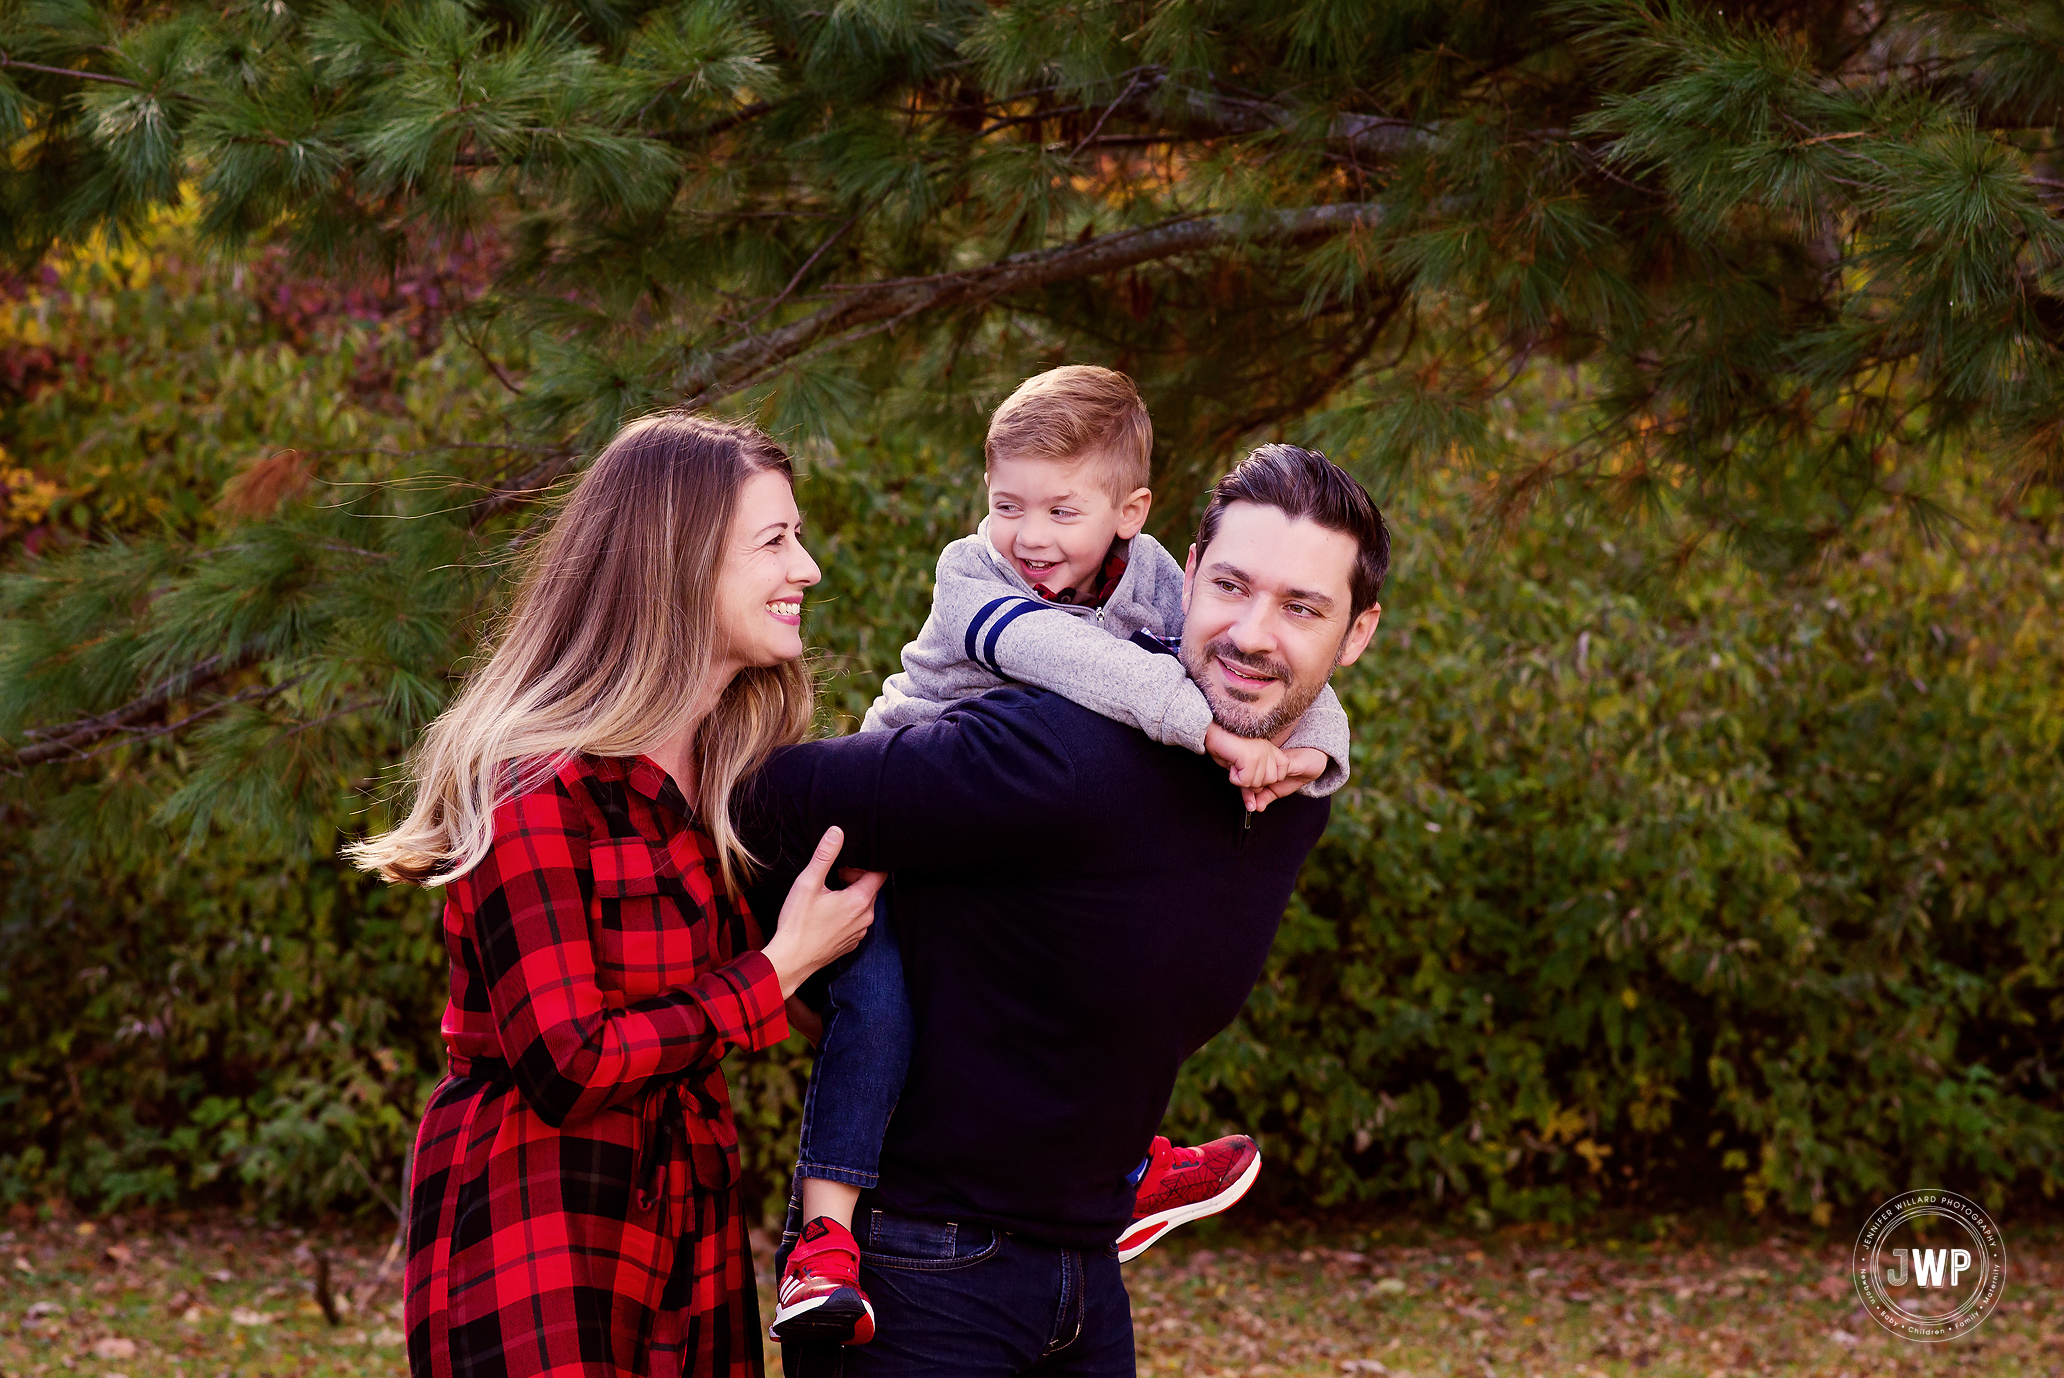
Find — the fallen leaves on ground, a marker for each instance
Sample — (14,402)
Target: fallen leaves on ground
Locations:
(214,1297)
(208,1296)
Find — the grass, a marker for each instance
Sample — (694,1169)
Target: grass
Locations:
(1514,1304)
(213,1297)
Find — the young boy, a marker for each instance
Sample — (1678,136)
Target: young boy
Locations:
(1047,592)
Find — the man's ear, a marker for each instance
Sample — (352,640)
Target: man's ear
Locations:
(1132,513)
(1189,578)
(1358,635)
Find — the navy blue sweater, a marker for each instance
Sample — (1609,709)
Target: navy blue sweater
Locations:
(1080,909)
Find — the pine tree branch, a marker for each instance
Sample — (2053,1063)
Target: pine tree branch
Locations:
(803,271)
(867,309)
(70,739)
(356,706)
(479,347)
(258,692)
(84,738)
(15,62)
(1320,384)
(721,125)
(537,479)
(862,305)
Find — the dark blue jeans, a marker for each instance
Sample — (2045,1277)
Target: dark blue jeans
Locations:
(858,1076)
(968,1301)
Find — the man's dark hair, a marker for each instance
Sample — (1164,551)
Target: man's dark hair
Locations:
(1304,483)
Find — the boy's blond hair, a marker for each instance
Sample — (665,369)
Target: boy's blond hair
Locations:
(1077,412)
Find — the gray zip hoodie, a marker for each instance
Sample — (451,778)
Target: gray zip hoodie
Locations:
(983,633)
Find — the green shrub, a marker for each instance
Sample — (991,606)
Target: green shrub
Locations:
(1735,887)
(255,1030)
(1746,888)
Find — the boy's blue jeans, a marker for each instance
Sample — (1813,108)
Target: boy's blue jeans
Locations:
(861,1061)
(956,1300)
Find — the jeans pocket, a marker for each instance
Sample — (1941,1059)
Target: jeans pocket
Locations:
(902,1241)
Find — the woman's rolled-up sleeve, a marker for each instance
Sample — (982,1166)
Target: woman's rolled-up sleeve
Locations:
(575,1049)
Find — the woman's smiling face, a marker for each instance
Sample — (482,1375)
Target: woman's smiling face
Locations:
(765,571)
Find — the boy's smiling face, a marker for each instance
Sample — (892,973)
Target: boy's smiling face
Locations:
(1054,520)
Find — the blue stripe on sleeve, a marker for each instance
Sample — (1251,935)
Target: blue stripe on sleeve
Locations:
(1024,606)
(974,630)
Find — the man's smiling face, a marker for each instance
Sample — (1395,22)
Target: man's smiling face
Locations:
(1266,616)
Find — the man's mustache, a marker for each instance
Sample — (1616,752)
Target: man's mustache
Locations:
(1225,650)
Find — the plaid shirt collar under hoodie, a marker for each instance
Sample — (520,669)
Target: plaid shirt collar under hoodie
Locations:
(1108,576)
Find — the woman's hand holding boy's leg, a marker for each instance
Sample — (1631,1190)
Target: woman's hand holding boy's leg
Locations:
(819,924)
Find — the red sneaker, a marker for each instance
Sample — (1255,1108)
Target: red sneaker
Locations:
(1185,1184)
(820,1297)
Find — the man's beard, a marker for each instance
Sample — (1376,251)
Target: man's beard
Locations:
(1231,709)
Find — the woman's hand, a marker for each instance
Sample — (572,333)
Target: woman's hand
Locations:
(819,924)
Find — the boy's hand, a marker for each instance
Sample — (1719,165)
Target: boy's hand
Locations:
(1306,764)
(1252,762)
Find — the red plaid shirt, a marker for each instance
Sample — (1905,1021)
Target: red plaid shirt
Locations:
(574,1201)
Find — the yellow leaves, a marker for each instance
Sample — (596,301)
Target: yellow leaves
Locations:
(1592,1153)
(130,260)
(1649,1111)
(1562,1124)
(27,323)
(28,499)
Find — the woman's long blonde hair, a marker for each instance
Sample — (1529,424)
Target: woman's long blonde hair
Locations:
(608,644)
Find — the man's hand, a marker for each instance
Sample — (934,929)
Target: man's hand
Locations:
(1306,764)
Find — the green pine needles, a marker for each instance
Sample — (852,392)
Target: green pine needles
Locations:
(1798,257)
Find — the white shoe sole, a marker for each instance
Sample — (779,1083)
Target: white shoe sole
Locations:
(796,1323)
(1146,1233)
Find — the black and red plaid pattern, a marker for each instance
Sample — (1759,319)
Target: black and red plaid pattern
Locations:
(574,1197)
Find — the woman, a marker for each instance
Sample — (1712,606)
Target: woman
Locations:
(574,1202)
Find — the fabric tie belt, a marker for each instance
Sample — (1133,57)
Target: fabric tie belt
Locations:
(659,1137)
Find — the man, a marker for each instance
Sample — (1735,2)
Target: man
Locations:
(1080,909)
